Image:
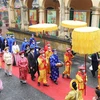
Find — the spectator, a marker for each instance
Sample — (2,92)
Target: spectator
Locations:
(15,51)
(8,61)
(95,63)
(97,94)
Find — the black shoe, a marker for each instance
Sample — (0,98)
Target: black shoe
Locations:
(94,76)
(63,75)
(46,85)
(56,82)
(38,83)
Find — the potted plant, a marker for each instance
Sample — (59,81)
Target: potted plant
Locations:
(0,26)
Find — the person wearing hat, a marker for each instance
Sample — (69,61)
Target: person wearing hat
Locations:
(74,94)
(55,63)
(32,63)
(42,65)
(9,42)
(7,57)
(47,45)
(23,67)
(37,49)
(68,62)
(32,39)
(48,54)
(24,44)
(33,43)
(82,79)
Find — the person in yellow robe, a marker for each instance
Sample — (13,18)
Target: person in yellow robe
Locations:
(48,54)
(68,62)
(74,94)
(99,76)
(42,65)
(82,79)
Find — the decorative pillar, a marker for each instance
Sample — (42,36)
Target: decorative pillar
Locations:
(61,18)
(26,22)
(22,15)
(11,17)
(95,18)
(41,15)
(67,12)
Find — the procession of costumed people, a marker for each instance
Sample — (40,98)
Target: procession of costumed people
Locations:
(32,59)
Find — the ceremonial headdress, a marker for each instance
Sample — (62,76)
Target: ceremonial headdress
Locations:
(81,67)
(68,49)
(22,52)
(6,48)
(42,51)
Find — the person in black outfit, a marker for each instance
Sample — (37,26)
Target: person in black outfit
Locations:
(95,63)
(32,63)
(4,44)
(27,50)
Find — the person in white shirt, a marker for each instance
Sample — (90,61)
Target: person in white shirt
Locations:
(7,57)
(15,51)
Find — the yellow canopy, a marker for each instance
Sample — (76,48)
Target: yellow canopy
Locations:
(71,24)
(86,40)
(43,27)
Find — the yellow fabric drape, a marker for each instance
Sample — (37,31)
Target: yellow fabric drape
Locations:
(86,40)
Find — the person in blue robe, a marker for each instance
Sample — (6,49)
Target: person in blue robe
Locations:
(1,41)
(33,44)
(36,51)
(9,42)
(31,39)
(24,44)
(54,62)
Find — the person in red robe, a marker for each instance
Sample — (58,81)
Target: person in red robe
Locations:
(68,62)
(46,46)
(23,67)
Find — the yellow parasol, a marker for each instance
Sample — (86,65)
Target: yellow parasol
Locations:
(86,40)
(43,28)
(71,24)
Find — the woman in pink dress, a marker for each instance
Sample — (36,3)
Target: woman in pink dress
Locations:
(23,68)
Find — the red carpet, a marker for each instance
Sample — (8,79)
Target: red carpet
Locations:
(57,92)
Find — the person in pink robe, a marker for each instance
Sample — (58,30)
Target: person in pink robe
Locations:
(23,68)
